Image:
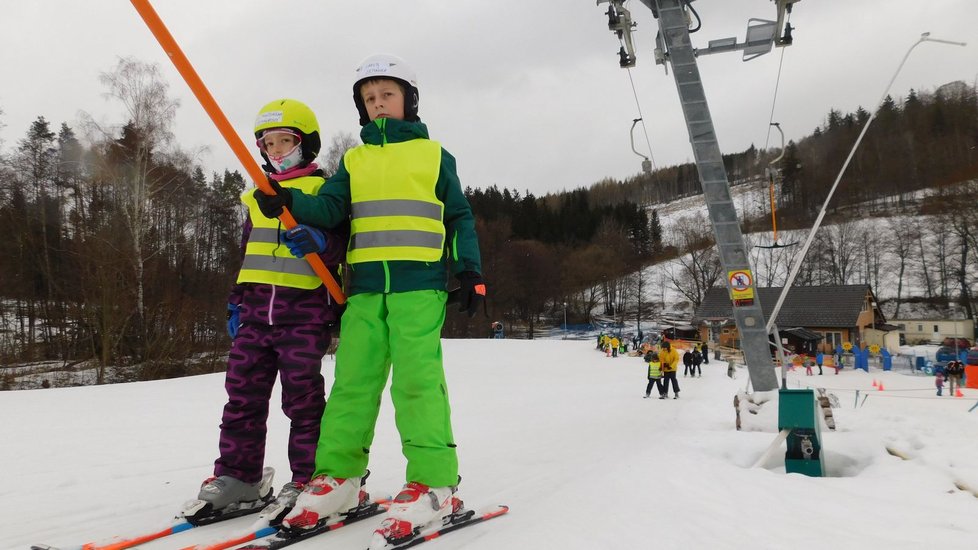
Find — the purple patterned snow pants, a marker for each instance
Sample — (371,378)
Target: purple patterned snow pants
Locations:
(257,354)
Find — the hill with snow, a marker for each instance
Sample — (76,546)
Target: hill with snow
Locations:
(859,237)
(554,429)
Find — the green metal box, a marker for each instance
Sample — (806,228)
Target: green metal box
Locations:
(798,412)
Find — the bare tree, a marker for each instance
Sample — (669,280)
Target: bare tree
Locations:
(904,234)
(699,268)
(150,111)
(338,146)
(875,245)
(580,268)
(771,265)
(960,221)
(940,250)
(841,244)
(924,272)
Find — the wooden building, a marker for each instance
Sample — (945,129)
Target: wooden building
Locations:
(812,318)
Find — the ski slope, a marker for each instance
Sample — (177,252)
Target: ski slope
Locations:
(552,428)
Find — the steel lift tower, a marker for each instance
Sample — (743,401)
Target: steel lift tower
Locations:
(674,47)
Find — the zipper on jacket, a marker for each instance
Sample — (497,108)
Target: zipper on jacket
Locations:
(382,125)
(387,277)
(271,306)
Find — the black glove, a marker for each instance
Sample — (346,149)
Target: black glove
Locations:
(271,205)
(471,294)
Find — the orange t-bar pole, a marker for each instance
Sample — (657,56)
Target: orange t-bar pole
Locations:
(180,61)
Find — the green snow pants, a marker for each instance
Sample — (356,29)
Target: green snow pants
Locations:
(377,330)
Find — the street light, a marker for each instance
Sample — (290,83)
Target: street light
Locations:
(565,320)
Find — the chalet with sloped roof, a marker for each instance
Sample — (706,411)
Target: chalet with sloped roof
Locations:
(812,318)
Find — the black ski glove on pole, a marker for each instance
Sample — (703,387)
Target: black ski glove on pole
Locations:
(271,205)
(471,294)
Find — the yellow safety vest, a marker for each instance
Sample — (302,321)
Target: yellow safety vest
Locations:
(266,259)
(395,214)
(655,369)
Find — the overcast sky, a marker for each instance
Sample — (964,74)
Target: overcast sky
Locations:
(527,94)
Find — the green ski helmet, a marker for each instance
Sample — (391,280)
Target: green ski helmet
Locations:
(295,115)
(394,68)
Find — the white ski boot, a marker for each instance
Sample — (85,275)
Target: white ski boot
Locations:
(416,509)
(323,497)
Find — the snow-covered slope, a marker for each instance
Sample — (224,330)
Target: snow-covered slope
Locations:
(552,428)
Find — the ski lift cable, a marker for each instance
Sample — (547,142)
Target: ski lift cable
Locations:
(777,85)
(774,101)
(641,117)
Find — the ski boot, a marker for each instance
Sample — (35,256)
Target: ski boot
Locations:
(416,510)
(283,504)
(324,499)
(225,497)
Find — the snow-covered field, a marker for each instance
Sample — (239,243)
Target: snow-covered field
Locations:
(552,428)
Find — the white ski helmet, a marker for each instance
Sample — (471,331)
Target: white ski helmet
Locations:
(394,68)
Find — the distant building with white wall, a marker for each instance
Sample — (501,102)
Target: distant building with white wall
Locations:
(934,331)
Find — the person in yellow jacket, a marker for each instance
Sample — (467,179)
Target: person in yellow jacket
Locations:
(614,346)
(655,375)
(670,364)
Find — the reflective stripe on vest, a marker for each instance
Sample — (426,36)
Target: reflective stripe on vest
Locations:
(395,218)
(267,260)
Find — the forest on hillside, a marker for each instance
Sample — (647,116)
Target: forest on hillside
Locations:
(120,249)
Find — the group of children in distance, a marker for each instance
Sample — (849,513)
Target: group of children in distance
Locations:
(394,211)
(808,362)
(663,362)
(953,372)
(663,366)
(612,345)
(693,359)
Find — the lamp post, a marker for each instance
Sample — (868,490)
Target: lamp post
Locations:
(565,320)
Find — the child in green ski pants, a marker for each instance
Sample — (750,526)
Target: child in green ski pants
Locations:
(410,221)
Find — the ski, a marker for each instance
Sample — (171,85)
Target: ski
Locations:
(255,532)
(195,513)
(125,543)
(451,523)
(130,542)
(288,537)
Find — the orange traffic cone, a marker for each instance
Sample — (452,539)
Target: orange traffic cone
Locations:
(958,393)
(874,383)
(880,387)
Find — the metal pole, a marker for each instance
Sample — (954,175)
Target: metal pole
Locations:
(565,320)
(925,37)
